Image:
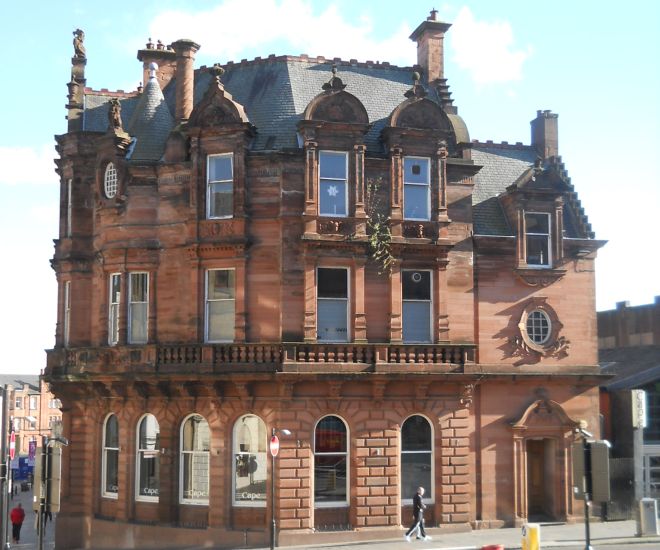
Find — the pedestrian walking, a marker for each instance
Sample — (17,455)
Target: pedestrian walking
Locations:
(418,517)
(17,516)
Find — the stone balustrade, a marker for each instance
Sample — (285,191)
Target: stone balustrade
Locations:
(275,357)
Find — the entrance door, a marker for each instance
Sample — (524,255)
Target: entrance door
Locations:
(540,480)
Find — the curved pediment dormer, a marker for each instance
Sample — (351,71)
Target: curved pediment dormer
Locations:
(217,107)
(420,113)
(335,114)
(335,104)
(418,121)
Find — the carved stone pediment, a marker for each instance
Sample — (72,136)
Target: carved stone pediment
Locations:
(218,107)
(337,106)
(421,113)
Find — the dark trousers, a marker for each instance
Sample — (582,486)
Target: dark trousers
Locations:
(418,523)
(16,531)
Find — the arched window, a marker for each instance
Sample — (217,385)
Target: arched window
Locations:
(110,458)
(195,455)
(148,458)
(416,457)
(330,462)
(250,461)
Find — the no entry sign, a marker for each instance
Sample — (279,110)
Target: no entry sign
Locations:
(274,445)
(12,445)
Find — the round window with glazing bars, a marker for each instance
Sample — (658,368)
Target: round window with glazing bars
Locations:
(538,326)
(110,180)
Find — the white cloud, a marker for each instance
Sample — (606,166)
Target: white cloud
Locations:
(227,30)
(27,165)
(486,49)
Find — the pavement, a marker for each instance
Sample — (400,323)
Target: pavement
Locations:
(29,540)
(555,535)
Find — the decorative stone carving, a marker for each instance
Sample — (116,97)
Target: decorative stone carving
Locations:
(467,395)
(539,277)
(208,230)
(330,226)
(114,115)
(78,44)
(521,344)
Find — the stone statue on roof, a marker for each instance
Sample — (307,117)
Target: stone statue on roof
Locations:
(114,114)
(78,44)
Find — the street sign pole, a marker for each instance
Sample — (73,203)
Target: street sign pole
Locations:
(274,449)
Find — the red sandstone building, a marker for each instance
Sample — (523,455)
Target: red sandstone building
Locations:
(312,245)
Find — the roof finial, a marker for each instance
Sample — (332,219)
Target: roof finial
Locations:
(433,16)
(217,71)
(153,68)
(334,84)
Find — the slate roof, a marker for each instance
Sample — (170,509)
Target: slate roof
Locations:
(275,93)
(633,367)
(502,165)
(150,123)
(17,380)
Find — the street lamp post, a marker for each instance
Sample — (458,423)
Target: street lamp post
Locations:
(274,449)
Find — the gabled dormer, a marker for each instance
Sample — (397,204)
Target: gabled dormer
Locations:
(220,133)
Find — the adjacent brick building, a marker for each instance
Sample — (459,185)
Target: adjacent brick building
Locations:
(312,245)
(33,409)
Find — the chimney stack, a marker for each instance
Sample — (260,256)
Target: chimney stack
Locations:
(185,77)
(545,134)
(430,49)
(161,55)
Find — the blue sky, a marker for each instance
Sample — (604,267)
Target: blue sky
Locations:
(595,63)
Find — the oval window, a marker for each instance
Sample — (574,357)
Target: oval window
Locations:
(538,326)
(110,180)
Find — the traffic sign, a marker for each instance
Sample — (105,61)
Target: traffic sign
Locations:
(274,445)
(12,445)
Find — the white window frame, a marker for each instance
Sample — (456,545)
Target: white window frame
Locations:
(207,302)
(104,461)
(33,406)
(110,180)
(235,453)
(336,503)
(131,303)
(417,184)
(547,235)
(347,300)
(344,181)
(193,501)
(18,402)
(425,499)
(114,310)
(69,207)
(429,301)
(67,313)
(548,321)
(210,182)
(138,456)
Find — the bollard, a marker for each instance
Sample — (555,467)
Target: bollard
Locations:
(531,533)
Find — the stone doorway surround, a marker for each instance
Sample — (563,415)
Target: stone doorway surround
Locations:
(544,419)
